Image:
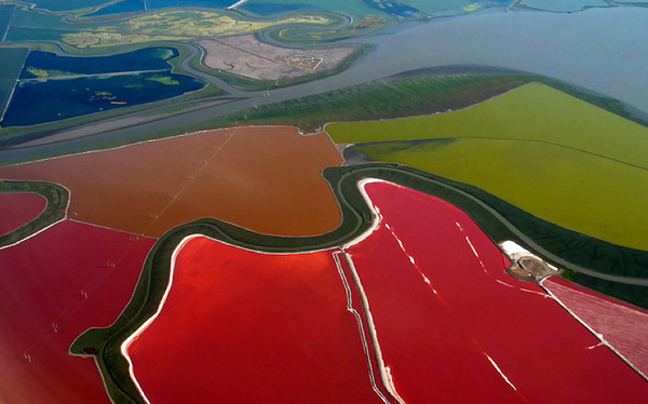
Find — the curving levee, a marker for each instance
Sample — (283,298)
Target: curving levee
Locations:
(57,198)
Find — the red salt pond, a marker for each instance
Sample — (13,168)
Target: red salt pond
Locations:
(53,287)
(443,322)
(17,209)
(453,327)
(248,327)
(623,326)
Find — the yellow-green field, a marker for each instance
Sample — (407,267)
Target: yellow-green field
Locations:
(531,112)
(593,195)
(180,25)
(550,154)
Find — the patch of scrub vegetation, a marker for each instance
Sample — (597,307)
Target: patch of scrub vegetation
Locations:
(532,112)
(581,191)
(43,73)
(166,80)
(182,25)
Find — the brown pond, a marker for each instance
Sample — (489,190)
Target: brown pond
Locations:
(267,179)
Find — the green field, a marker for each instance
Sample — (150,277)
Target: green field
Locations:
(546,152)
(583,192)
(531,112)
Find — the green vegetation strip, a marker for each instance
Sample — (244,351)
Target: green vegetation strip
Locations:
(57,202)
(500,220)
(415,93)
(380,99)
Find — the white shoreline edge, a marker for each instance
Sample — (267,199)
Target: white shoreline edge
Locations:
(127,343)
(384,370)
(133,337)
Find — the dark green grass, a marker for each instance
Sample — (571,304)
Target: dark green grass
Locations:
(57,201)
(420,92)
(382,99)
(500,220)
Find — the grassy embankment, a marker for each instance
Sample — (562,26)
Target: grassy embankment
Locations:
(414,93)
(385,98)
(57,201)
(500,220)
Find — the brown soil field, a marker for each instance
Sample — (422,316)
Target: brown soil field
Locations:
(248,57)
(267,179)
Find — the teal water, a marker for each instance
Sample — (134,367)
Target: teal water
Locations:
(268,8)
(564,6)
(5,17)
(125,6)
(67,5)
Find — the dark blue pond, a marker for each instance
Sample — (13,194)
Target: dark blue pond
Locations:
(394,7)
(143,59)
(265,9)
(39,101)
